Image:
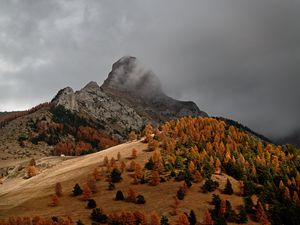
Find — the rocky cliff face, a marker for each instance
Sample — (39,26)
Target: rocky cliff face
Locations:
(130,97)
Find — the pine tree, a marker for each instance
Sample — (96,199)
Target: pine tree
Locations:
(119,196)
(115,176)
(242,217)
(91,204)
(228,188)
(192,218)
(164,220)
(77,190)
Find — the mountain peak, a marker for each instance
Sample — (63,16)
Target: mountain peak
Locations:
(128,74)
(91,85)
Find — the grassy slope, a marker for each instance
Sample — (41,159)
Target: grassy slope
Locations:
(20,197)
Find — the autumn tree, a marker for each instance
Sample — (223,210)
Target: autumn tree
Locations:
(155,178)
(54,200)
(140,218)
(154,219)
(153,145)
(123,166)
(183,220)
(207,220)
(96,174)
(148,133)
(131,195)
(87,193)
(133,153)
(91,182)
(119,156)
(32,162)
(31,171)
(261,215)
(197,177)
(191,167)
(131,167)
(105,161)
(175,206)
(58,189)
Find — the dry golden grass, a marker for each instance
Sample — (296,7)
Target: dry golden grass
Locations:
(20,197)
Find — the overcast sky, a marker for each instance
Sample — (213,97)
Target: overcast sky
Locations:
(235,58)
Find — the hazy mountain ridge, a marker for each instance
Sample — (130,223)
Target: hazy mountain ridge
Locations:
(293,138)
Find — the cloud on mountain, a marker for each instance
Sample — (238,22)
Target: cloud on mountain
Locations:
(238,59)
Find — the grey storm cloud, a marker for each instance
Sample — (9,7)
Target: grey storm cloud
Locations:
(236,59)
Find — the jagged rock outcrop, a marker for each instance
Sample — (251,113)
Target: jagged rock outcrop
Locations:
(129,98)
(91,102)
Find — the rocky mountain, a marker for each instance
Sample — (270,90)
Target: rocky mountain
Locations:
(130,97)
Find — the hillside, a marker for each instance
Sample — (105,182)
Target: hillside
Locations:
(90,119)
(190,159)
(21,197)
